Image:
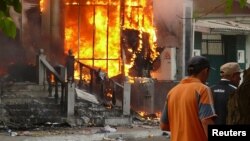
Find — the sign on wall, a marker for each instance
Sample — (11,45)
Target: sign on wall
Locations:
(241,56)
(197,52)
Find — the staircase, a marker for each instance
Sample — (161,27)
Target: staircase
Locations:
(26,104)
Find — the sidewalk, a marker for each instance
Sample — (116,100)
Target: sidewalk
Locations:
(88,134)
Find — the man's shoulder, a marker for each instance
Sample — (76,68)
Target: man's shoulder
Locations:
(216,86)
(220,84)
(223,87)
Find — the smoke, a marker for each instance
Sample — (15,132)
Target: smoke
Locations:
(11,52)
(22,50)
(168,21)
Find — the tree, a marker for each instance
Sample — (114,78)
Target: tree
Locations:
(229,4)
(7,25)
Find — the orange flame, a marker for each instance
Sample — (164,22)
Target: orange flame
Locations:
(41,2)
(93,29)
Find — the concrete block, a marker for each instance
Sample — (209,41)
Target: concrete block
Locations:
(118,121)
(126,98)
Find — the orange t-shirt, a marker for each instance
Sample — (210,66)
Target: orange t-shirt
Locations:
(187,104)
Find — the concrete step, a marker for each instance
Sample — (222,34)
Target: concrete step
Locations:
(23,90)
(26,104)
(30,106)
(23,86)
(29,100)
(23,120)
(30,114)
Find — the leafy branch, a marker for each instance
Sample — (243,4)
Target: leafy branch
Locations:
(7,25)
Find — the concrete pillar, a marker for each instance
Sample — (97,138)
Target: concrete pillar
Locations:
(41,70)
(71,100)
(149,98)
(126,98)
(187,32)
(57,30)
(45,25)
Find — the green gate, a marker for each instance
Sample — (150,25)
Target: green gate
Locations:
(219,49)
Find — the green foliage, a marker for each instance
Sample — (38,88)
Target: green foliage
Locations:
(243,3)
(229,5)
(7,26)
(228,8)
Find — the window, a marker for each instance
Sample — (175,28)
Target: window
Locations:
(212,45)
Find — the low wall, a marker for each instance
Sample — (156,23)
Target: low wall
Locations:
(150,96)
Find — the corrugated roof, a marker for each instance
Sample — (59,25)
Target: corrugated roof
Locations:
(219,26)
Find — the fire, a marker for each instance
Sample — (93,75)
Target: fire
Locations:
(110,95)
(147,116)
(41,5)
(158,115)
(93,31)
(142,20)
(51,78)
(141,113)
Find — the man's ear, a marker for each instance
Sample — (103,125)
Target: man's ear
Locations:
(205,70)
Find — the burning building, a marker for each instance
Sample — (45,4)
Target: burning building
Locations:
(117,36)
(132,38)
(138,38)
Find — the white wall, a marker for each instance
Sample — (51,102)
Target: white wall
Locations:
(247,52)
(167,70)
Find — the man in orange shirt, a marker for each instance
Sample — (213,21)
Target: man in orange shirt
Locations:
(189,105)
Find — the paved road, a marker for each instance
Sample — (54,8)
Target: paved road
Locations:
(160,138)
(146,138)
(72,138)
(122,134)
(18,138)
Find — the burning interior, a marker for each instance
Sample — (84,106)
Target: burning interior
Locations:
(116,37)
